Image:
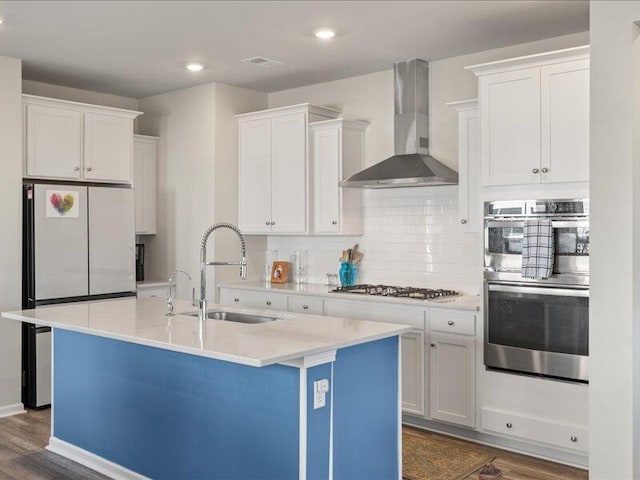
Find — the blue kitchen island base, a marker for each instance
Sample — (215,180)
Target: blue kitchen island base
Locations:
(163,414)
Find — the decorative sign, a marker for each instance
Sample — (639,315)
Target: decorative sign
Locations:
(62,204)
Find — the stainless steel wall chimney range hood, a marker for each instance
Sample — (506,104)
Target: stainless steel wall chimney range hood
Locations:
(411,166)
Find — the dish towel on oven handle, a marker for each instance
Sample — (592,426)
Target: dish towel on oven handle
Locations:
(537,249)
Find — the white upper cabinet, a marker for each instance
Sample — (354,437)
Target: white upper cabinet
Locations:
(534,118)
(108,147)
(468,165)
(337,149)
(77,141)
(274,168)
(565,121)
(144,183)
(54,142)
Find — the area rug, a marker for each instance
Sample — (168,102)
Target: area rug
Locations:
(436,457)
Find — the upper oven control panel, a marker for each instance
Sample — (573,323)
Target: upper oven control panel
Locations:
(537,208)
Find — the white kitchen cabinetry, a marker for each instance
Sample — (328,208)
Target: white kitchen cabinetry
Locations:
(412,343)
(274,168)
(77,141)
(243,298)
(452,367)
(304,304)
(552,432)
(468,165)
(144,183)
(534,118)
(338,152)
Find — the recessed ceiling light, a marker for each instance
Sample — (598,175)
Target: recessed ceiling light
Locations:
(194,67)
(1,20)
(325,33)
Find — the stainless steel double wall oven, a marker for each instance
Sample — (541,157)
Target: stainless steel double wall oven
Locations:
(537,326)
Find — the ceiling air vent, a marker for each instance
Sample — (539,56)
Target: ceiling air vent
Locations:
(262,62)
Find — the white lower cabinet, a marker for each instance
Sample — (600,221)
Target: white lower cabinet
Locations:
(541,430)
(412,383)
(452,366)
(244,298)
(452,378)
(304,304)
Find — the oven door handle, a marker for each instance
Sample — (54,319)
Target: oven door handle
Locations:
(558,292)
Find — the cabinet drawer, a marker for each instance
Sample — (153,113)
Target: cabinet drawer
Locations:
(155,292)
(301,304)
(243,298)
(452,321)
(536,429)
(375,311)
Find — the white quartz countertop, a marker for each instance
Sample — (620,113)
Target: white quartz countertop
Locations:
(460,302)
(143,321)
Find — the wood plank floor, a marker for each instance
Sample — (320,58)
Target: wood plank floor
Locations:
(23,457)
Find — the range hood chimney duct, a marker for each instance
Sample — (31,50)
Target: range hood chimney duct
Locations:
(411,166)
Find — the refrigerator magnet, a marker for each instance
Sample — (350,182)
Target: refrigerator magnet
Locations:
(62,204)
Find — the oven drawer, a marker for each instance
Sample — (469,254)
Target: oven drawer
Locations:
(449,321)
(567,436)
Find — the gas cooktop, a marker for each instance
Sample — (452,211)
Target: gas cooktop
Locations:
(391,291)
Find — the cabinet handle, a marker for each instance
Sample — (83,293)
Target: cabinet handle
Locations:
(267,223)
(236,299)
(89,169)
(450,323)
(305,307)
(545,170)
(535,170)
(509,425)
(268,302)
(273,223)
(76,169)
(463,221)
(433,345)
(574,439)
(334,222)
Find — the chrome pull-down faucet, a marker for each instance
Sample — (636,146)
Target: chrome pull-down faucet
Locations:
(172,286)
(204,264)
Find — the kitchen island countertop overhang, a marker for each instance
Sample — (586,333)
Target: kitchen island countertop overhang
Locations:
(144,322)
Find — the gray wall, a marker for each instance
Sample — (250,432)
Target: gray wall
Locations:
(614,322)
(10,239)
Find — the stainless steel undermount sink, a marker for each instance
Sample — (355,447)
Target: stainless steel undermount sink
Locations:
(235,317)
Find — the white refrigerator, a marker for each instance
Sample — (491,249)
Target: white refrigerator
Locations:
(78,244)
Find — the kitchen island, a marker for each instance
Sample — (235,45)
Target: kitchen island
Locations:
(138,394)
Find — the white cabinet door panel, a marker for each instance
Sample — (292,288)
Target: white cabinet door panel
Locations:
(108,148)
(144,184)
(327,167)
(452,379)
(111,240)
(412,346)
(565,121)
(54,142)
(303,304)
(289,174)
(255,176)
(510,136)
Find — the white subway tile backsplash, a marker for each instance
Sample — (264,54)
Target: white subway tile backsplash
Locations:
(411,237)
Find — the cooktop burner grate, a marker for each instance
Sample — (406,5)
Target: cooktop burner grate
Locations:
(392,291)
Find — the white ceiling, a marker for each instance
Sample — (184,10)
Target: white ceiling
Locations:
(136,48)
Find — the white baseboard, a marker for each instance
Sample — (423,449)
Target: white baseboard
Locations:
(90,460)
(14,409)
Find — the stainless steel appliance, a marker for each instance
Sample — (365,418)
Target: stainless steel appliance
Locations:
(411,166)
(538,327)
(391,291)
(78,244)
